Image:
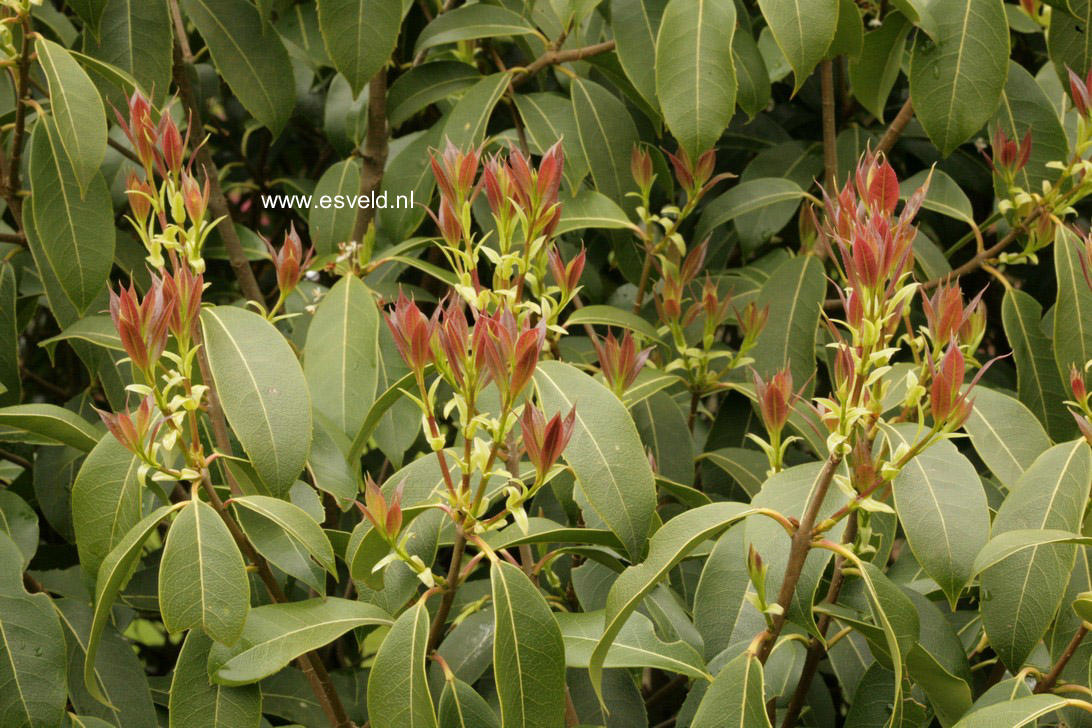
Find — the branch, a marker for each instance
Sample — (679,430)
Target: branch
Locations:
(1049,679)
(553,57)
(183,60)
(992,252)
(375,151)
(798,552)
(450,587)
(898,124)
(830,140)
(15,202)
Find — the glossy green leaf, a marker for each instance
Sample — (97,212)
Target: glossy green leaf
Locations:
(47,424)
(668,547)
(1051,494)
(359,35)
(77,111)
(664,431)
(938,662)
(195,701)
(329,470)
(549,118)
(873,73)
(942,508)
(724,581)
(253,62)
(803,30)
(1038,382)
(736,697)
(614,317)
(1067,39)
(747,467)
(32,650)
(943,196)
(106,501)
(636,24)
(1024,105)
(753,90)
(794,294)
(746,197)
(636,645)
(591,209)
(468,22)
(276,634)
(333,225)
(202,578)
(295,522)
(114,573)
(695,76)
(467,122)
(399,425)
(607,135)
(341,356)
(97,329)
(462,707)
(426,84)
(605,451)
(11,381)
(73,236)
(262,390)
(1019,712)
(957,75)
(1073,310)
(398,693)
(528,654)
(1004,545)
(20,523)
(136,37)
(1005,434)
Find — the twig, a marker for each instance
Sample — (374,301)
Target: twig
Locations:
(554,57)
(987,254)
(19,460)
(374,157)
(798,553)
(450,587)
(830,140)
(124,151)
(183,60)
(1048,680)
(898,124)
(12,188)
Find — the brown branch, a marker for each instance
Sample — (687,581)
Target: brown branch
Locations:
(1051,677)
(816,648)
(183,61)
(19,460)
(830,135)
(374,157)
(451,585)
(992,252)
(124,151)
(554,57)
(12,188)
(898,125)
(798,553)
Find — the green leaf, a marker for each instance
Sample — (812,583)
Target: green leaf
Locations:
(77,110)
(106,501)
(341,356)
(1024,105)
(136,38)
(749,196)
(543,530)
(605,452)
(114,573)
(591,209)
(956,77)
(637,645)
(736,697)
(663,429)
(549,118)
(329,469)
(670,545)
(1022,593)
(295,522)
(803,30)
(469,22)
(873,73)
(753,92)
(72,238)
(1005,434)
(607,135)
(47,424)
(1019,712)
(20,523)
(262,390)
(89,11)
(849,36)
(612,316)
(944,195)
(462,707)
(32,649)
(333,225)
(938,663)
(398,692)
(383,403)
(252,61)
(528,654)
(195,701)
(794,294)
(426,84)
(724,581)
(97,329)
(1004,545)
(359,35)
(747,467)
(276,634)
(399,425)
(1038,382)
(467,122)
(1067,39)
(202,578)
(1073,310)
(942,508)
(695,76)
(636,24)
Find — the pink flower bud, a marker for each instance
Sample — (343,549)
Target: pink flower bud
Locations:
(170,141)
(1081,91)
(566,275)
(947,381)
(196,198)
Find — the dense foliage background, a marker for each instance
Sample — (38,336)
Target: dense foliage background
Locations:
(728,370)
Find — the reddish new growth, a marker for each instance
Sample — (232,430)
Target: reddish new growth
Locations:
(143,325)
(545,441)
(290,261)
(620,362)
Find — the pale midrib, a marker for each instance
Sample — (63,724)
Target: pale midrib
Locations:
(1031,358)
(242,54)
(515,641)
